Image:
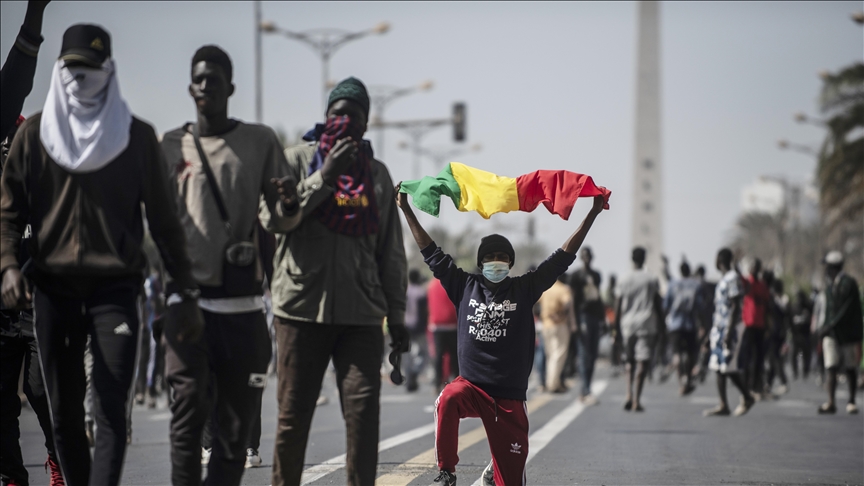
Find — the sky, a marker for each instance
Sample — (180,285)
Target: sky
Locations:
(548,85)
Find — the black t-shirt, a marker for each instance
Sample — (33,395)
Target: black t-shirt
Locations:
(586,292)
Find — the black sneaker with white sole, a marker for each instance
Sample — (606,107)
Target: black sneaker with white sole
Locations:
(446,478)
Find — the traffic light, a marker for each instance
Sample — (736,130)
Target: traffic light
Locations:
(459,122)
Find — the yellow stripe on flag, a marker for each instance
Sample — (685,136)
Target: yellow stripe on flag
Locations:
(484,192)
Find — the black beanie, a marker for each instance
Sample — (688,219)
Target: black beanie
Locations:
(491,244)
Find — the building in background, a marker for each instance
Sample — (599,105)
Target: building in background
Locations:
(779,224)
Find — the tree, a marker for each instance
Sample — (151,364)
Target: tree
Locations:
(840,172)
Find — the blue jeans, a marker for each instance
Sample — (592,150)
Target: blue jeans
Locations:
(540,359)
(589,339)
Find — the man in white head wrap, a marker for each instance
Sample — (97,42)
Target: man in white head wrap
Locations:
(78,173)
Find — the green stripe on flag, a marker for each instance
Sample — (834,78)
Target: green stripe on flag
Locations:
(426,193)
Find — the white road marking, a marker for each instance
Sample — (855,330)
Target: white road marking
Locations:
(540,439)
(160,416)
(315,473)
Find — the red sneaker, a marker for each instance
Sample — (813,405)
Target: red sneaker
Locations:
(56,474)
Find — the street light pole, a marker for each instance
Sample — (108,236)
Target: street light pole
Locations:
(259,107)
(381,97)
(325,42)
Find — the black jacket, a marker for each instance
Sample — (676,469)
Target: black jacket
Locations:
(88,227)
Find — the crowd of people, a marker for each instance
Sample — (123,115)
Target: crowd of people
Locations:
(134,264)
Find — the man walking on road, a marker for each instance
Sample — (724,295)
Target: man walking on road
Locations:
(496,345)
(682,305)
(725,337)
(590,317)
(341,272)
(841,332)
(92,165)
(559,321)
(442,324)
(416,320)
(757,298)
(638,316)
(222,168)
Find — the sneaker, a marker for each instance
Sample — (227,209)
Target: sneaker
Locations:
(718,411)
(56,478)
(446,477)
(744,406)
(589,400)
(827,409)
(686,390)
(488,476)
(851,409)
(782,389)
(322,400)
(205,456)
(253,459)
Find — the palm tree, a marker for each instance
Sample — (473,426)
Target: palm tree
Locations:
(840,173)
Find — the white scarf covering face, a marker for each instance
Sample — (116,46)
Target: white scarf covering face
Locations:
(85,123)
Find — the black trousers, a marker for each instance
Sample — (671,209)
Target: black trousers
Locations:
(15,352)
(801,344)
(305,350)
(752,358)
(445,342)
(109,316)
(223,374)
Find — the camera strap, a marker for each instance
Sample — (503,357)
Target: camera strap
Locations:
(211,179)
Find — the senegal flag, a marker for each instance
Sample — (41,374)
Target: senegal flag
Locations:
(477,190)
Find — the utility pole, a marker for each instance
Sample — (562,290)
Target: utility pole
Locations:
(417,129)
(381,97)
(324,42)
(259,105)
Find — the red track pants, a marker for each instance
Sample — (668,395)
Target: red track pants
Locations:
(505,421)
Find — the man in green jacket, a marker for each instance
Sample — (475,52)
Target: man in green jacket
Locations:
(338,274)
(842,331)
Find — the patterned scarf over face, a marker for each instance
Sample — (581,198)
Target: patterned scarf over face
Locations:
(352,210)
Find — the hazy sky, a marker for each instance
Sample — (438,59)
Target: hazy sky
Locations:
(548,86)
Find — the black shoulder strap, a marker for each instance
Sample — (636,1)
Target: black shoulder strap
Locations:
(217,194)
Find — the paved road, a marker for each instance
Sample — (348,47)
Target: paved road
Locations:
(778,442)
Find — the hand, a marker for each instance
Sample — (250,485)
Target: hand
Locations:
(727,337)
(401,198)
(599,201)
(14,290)
(287,189)
(343,154)
(399,338)
(184,321)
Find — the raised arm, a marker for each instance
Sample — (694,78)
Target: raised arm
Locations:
(575,241)
(420,235)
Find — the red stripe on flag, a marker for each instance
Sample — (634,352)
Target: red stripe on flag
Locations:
(557,190)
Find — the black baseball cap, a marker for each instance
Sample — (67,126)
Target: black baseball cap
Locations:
(86,43)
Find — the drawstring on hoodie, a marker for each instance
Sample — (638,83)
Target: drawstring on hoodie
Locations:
(495,403)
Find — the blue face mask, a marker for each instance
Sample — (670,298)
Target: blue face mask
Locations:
(496,271)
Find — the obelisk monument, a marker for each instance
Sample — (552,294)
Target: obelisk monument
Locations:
(647,227)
